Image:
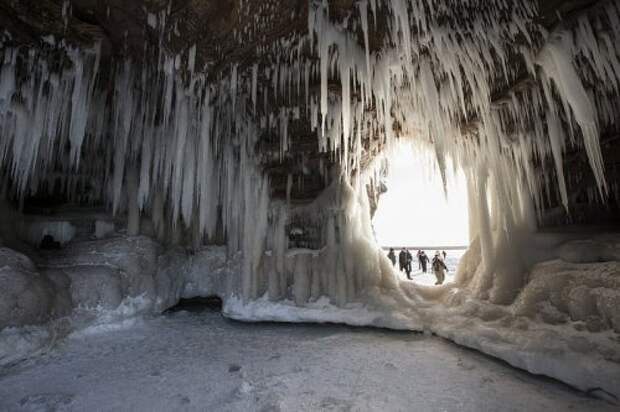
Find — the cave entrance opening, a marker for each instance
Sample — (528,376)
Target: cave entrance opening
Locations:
(198,304)
(416,212)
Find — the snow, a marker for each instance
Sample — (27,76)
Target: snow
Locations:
(165,143)
(26,297)
(94,285)
(536,330)
(320,311)
(563,321)
(199,361)
(453,257)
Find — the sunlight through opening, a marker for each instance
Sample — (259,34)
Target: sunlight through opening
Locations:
(418,215)
(415,212)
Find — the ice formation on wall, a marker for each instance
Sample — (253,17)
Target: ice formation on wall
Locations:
(478,81)
(167,143)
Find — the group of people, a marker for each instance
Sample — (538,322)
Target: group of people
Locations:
(405,258)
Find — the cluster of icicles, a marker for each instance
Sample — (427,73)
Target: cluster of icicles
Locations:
(164,142)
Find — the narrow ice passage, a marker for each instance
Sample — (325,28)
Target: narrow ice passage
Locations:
(242,158)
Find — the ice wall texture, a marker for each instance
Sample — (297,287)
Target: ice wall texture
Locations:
(168,142)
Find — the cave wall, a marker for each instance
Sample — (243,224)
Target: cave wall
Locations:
(265,131)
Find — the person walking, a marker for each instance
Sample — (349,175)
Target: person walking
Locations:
(444,255)
(392,256)
(419,261)
(402,260)
(439,268)
(423,261)
(409,258)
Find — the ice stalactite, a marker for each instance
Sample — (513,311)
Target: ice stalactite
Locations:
(557,65)
(171,150)
(557,143)
(452,83)
(168,143)
(182,148)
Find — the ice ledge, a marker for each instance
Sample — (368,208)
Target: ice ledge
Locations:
(542,350)
(550,350)
(320,311)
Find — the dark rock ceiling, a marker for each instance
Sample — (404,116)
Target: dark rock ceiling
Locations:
(224,32)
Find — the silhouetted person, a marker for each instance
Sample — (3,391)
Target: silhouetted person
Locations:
(444,255)
(423,261)
(419,261)
(408,267)
(439,268)
(402,260)
(409,260)
(392,257)
(48,243)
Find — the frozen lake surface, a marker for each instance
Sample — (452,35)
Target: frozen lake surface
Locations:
(428,278)
(188,361)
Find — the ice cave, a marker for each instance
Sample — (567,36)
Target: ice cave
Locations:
(160,152)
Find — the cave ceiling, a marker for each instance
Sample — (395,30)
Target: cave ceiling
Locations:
(234,32)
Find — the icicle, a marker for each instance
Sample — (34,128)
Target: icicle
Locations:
(553,124)
(254,85)
(191,59)
(558,66)
(363,9)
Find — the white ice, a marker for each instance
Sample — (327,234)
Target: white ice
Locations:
(200,361)
(177,148)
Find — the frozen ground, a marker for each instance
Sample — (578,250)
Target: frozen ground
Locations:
(428,278)
(200,361)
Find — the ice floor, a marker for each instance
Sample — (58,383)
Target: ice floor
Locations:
(201,361)
(428,278)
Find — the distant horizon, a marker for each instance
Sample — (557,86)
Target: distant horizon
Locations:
(426,247)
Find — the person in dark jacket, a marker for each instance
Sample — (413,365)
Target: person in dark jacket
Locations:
(402,260)
(439,268)
(408,267)
(392,257)
(423,261)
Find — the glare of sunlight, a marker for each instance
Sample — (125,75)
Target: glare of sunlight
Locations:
(414,211)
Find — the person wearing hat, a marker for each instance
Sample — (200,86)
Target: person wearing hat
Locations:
(439,268)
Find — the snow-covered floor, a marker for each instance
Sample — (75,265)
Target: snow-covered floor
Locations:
(428,278)
(201,361)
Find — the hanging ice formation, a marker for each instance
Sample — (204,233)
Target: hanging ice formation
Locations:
(167,143)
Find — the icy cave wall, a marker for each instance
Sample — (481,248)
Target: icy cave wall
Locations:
(189,151)
(170,143)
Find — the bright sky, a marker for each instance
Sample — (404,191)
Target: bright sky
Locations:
(415,211)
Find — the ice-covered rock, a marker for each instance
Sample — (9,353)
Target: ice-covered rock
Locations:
(608,305)
(597,249)
(95,286)
(103,273)
(26,297)
(201,273)
(115,278)
(103,229)
(583,292)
